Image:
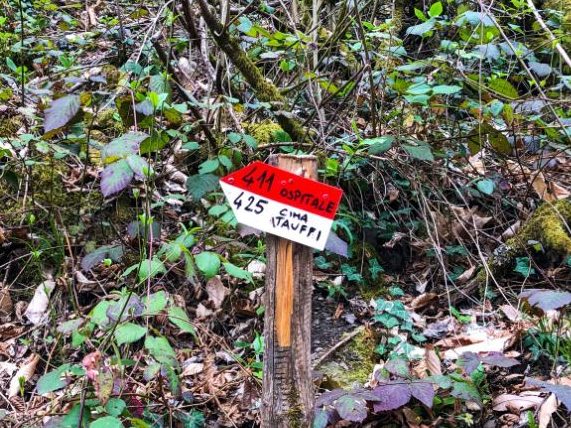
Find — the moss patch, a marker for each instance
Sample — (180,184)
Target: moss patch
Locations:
(549,225)
(353,363)
(263,132)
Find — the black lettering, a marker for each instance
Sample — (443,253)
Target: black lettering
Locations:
(251,200)
(260,206)
(329,208)
(283,212)
(248,177)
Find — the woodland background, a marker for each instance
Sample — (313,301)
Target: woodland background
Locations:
(129,296)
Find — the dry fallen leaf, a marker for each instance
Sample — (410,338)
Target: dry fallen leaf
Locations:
(192,369)
(548,407)
(517,403)
(548,191)
(6,305)
(432,361)
(216,291)
(423,300)
(26,371)
(492,345)
(36,311)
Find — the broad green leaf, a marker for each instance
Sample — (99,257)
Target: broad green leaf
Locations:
(150,268)
(193,419)
(129,333)
(171,251)
(466,391)
(161,350)
(417,99)
(115,406)
(208,263)
(237,272)
(225,161)
(70,326)
(139,166)
(486,186)
(179,317)
(116,177)
(99,313)
(541,69)
(107,422)
(250,141)
(217,210)
(421,29)
(208,166)
(351,408)
(420,152)
(201,184)
(54,380)
(486,132)
(435,10)
(379,145)
(418,89)
(234,137)
(420,14)
(156,142)
(155,303)
(61,112)
(245,24)
(123,146)
(446,89)
(503,87)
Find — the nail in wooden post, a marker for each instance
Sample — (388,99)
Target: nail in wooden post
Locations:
(288,393)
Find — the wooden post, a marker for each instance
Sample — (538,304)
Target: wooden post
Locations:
(288,392)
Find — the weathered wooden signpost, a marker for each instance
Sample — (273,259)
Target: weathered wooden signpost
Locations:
(284,200)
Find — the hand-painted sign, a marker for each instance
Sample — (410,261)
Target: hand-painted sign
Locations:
(281,203)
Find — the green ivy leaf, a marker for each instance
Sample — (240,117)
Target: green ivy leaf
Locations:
(486,186)
(208,263)
(129,333)
(523,267)
(193,419)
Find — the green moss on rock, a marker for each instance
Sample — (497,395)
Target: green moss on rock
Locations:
(549,225)
(353,363)
(264,132)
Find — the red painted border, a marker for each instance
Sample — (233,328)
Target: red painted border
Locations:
(283,186)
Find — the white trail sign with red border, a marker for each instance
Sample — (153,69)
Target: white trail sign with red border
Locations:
(281,203)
